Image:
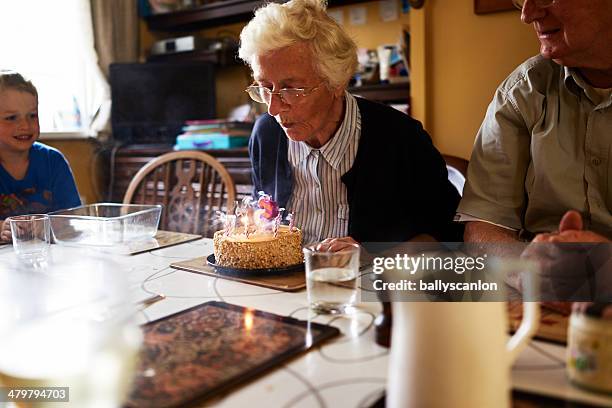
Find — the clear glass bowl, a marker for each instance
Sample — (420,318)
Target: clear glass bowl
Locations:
(105,224)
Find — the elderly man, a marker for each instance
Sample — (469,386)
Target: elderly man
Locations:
(541,167)
(545,146)
(351,170)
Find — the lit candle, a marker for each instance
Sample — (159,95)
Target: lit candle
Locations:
(230,225)
(277,222)
(291,218)
(245,221)
(226,225)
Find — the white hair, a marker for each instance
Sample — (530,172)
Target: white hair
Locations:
(277,26)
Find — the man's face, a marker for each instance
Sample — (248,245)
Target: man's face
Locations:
(574,33)
(18,120)
(292,67)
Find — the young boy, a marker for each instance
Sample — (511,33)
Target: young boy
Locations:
(34,178)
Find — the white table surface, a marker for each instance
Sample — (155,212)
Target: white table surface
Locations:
(348,371)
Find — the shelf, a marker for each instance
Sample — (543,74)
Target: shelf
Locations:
(212,14)
(221,58)
(387,93)
(215,14)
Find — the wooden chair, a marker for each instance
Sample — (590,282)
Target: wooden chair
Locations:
(191,186)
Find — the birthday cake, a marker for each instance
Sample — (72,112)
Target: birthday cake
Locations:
(253,238)
(258,252)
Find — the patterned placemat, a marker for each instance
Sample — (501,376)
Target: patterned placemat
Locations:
(205,350)
(290,282)
(553,325)
(162,239)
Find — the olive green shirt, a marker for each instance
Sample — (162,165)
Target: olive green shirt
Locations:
(544,147)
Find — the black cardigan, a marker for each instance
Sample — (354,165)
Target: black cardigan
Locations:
(397,188)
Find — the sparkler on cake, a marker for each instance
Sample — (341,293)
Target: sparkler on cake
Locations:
(253,237)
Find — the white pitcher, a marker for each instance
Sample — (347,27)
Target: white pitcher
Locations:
(457,354)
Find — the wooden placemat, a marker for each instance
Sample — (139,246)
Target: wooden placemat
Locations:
(290,282)
(162,239)
(553,325)
(209,349)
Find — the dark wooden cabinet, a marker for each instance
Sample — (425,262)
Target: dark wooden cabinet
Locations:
(215,13)
(209,15)
(129,159)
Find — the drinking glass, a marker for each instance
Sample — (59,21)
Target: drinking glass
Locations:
(31,237)
(69,325)
(331,279)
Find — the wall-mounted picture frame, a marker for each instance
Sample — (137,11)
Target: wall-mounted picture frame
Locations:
(492,6)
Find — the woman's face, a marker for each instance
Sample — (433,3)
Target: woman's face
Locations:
(311,119)
(19,127)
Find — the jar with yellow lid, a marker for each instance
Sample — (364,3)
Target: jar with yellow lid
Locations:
(589,349)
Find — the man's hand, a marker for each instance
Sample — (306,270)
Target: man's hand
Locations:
(563,272)
(5,232)
(571,230)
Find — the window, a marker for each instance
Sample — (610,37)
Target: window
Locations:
(51,43)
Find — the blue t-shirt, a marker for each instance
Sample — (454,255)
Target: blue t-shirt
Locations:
(47,186)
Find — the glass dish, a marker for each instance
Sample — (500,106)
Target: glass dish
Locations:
(105,224)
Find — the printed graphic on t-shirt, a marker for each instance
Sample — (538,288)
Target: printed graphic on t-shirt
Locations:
(27,201)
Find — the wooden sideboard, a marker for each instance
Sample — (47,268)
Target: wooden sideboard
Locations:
(128,159)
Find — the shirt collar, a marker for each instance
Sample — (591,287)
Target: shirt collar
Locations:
(577,85)
(334,150)
(571,79)
(298,152)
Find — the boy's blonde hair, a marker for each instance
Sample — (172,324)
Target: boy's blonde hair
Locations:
(14,80)
(277,26)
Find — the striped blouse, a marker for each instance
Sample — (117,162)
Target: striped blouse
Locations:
(319,198)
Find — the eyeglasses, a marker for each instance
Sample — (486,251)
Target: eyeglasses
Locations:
(290,96)
(539,3)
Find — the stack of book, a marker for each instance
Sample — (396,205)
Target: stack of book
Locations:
(213,134)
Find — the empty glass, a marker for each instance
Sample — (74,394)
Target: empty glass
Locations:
(31,237)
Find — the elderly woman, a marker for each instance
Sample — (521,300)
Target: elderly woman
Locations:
(350,169)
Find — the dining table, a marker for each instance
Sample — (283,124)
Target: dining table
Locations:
(349,370)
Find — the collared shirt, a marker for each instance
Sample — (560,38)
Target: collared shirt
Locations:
(319,199)
(544,148)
